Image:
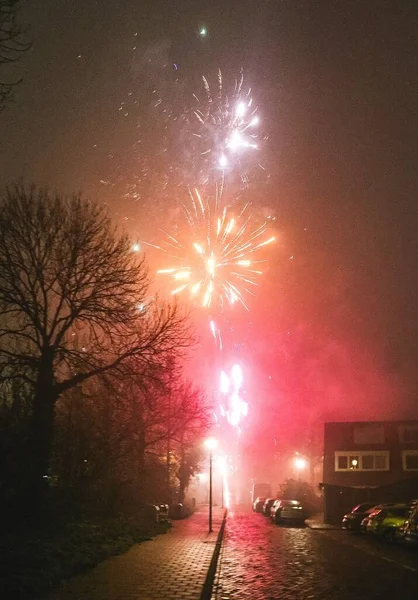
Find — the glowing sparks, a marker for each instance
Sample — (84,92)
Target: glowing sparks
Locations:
(234,407)
(216,253)
(226,124)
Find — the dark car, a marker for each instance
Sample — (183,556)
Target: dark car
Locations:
(288,511)
(408,532)
(385,522)
(267,506)
(258,504)
(352,520)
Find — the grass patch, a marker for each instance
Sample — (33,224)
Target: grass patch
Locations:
(34,560)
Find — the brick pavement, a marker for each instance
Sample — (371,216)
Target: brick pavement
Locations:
(171,566)
(261,561)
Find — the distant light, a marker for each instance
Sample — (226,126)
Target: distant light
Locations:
(354,462)
(136,247)
(203,31)
(223,161)
(211,443)
(300,463)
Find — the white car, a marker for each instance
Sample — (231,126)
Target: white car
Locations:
(286,511)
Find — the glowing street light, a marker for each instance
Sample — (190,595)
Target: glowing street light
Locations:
(300,463)
(210,444)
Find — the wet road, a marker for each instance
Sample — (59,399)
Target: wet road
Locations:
(261,561)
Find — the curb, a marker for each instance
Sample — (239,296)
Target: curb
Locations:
(210,577)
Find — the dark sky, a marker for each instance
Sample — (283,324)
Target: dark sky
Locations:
(337,86)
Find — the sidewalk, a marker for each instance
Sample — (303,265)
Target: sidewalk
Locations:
(317,522)
(173,566)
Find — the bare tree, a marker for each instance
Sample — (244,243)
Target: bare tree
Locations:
(74,303)
(12,44)
(193,420)
(112,435)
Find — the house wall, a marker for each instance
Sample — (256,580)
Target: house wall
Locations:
(339,437)
(345,489)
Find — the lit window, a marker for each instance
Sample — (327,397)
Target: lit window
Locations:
(354,462)
(369,460)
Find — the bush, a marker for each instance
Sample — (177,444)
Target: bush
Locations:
(291,489)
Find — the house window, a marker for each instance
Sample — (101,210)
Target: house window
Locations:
(342,463)
(369,460)
(369,434)
(410,460)
(408,434)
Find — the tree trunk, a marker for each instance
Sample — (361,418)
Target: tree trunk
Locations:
(41,434)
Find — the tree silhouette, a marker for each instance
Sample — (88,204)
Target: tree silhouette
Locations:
(12,44)
(74,303)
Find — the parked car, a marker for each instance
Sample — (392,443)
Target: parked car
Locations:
(267,506)
(412,505)
(273,508)
(258,504)
(352,520)
(364,522)
(288,511)
(385,521)
(408,532)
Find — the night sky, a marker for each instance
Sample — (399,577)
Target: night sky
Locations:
(336,83)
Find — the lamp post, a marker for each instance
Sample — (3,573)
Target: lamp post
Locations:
(210,444)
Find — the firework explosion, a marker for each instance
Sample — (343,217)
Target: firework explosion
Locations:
(214,254)
(217,258)
(226,126)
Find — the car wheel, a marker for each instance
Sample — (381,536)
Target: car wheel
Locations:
(389,535)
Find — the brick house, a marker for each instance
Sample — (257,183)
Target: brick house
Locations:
(367,461)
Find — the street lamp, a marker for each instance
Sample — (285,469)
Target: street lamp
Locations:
(300,464)
(210,444)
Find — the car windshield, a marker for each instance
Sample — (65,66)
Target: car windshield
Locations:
(397,512)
